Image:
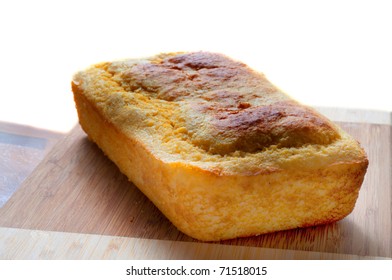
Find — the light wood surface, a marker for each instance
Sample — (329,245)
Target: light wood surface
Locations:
(39,244)
(356,115)
(77,194)
(22,148)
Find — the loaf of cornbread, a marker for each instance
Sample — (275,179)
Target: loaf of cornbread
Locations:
(216,147)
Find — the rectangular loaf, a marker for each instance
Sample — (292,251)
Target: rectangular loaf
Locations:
(216,147)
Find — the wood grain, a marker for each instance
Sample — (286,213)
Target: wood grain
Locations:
(77,189)
(61,245)
(21,149)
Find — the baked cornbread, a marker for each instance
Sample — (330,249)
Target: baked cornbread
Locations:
(216,147)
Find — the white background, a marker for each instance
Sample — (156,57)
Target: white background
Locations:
(322,53)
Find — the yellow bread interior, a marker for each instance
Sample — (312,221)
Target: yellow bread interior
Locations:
(186,130)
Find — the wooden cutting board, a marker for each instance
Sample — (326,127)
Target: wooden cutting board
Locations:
(76,189)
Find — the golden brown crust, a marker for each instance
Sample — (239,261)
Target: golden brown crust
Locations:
(245,112)
(220,150)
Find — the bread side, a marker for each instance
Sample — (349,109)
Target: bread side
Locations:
(217,148)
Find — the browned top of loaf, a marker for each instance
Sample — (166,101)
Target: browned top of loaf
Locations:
(207,111)
(226,105)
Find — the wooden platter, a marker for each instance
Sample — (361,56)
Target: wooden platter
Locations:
(77,196)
